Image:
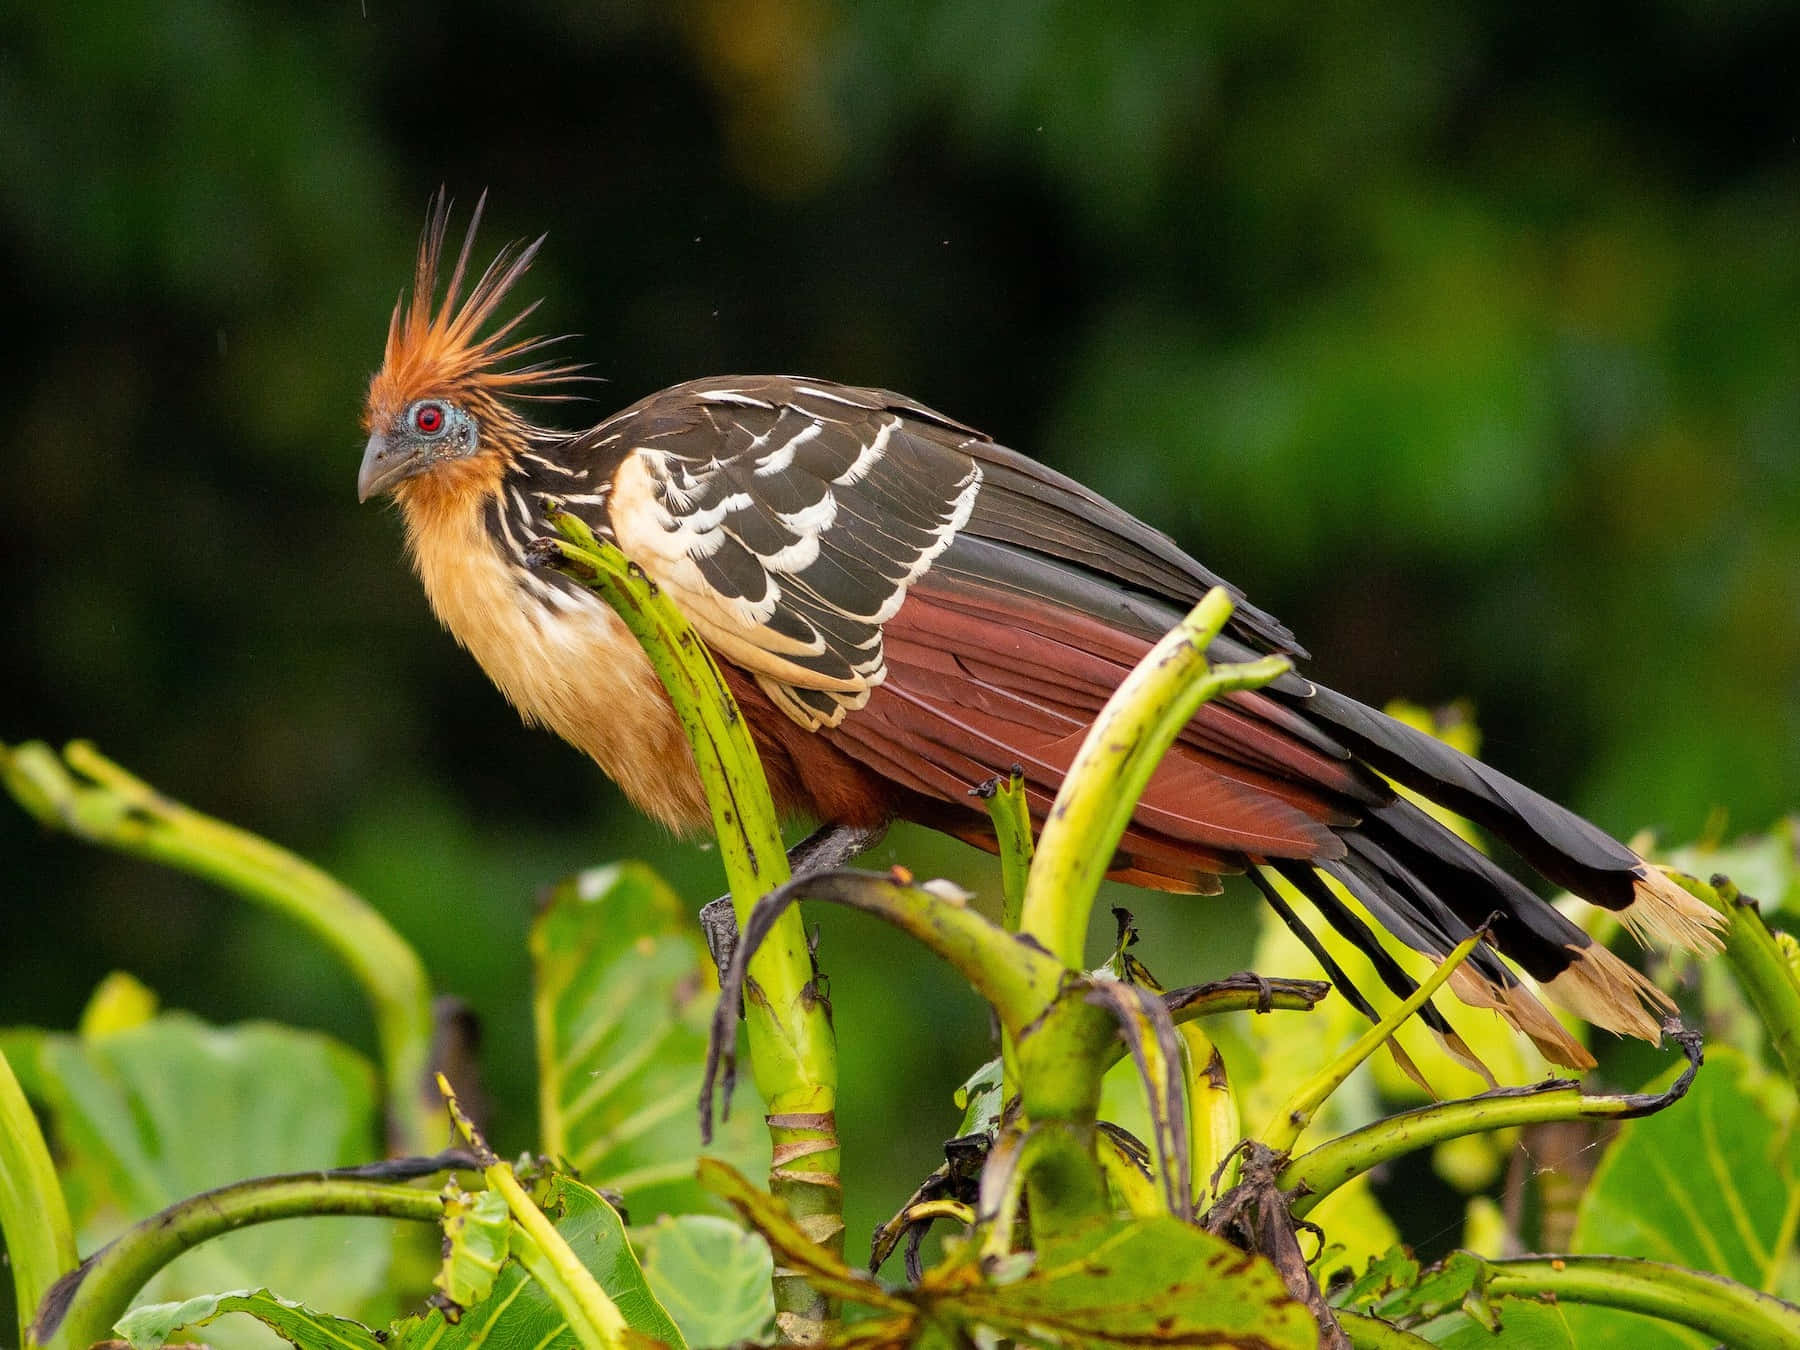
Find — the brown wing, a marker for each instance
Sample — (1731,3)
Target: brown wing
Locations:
(981,678)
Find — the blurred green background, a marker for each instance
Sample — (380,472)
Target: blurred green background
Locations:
(1465,338)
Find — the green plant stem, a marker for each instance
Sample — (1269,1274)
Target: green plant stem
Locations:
(1065,1183)
(1288,1124)
(1061,1062)
(793,1054)
(1060,1057)
(1240,993)
(1767,979)
(83,1309)
(1101,790)
(34,1216)
(94,799)
(592,1316)
(1315,1175)
(1723,1309)
(1320,1172)
(1011,814)
(1371,1333)
(1017,979)
(1061,1039)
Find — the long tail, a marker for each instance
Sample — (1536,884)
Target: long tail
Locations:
(1557,842)
(1430,889)
(1002,655)
(1026,624)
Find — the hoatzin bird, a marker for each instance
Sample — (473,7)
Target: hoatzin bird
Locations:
(904,608)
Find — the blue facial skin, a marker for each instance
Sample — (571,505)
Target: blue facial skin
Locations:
(425,433)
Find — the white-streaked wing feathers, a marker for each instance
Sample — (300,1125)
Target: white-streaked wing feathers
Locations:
(789,529)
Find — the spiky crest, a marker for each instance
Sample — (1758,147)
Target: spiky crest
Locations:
(439,350)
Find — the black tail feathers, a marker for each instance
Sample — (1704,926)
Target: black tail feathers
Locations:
(1431,889)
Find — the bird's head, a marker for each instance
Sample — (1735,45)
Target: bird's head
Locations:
(442,404)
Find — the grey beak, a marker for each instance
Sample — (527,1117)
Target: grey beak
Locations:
(382,467)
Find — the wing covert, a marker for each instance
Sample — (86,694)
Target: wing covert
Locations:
(788,522)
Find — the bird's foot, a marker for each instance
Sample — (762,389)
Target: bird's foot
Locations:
(826,848)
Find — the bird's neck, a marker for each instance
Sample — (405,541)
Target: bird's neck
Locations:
(559,654)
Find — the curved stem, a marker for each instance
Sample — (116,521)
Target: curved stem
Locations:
(34,1216)
(1122,749)
(1017,980)
(90,797)
(1315,1175)
(1015,977)
(1723,1309)
(1244,993)
(82,1307)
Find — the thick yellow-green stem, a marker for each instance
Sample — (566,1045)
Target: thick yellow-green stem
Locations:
(1007,808)
(1061,1061)
(92,798)
(792,1051)
(1100,793)
(1061,1056)
(1315,1175)
(1011,814)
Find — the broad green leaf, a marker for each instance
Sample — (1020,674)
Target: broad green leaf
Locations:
(149,1326)
(711,1275)
(518,1313)
(1711,1183)
(1706,1183)
(155,1112)
(1525,1324)
(624,991)
(477,1241)
(595,1232)
(1151,1282)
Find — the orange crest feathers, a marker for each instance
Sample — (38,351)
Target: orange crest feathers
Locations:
(440,350)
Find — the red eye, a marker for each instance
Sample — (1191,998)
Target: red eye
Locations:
(428,419)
